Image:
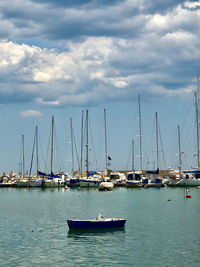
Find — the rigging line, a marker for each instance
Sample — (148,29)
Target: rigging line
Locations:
(161,146)
(190,141)
(68,141)
(58,152)
(20,158)
(128,159)
(41,150)
(76,149)
(152,148)
(95,157)
(173,150)
(32,155)
(48,147)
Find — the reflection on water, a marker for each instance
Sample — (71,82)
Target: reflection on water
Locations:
(95,232)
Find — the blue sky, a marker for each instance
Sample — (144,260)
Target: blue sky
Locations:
(61,57)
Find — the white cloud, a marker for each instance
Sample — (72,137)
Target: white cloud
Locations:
(31,113)
(140,52)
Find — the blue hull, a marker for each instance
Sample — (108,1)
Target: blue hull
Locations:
(95,224)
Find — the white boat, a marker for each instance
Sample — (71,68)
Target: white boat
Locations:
(55,182)
(90,181)
(155,182)
(22,183)
(187,181)
(38,182)
(103,186)
(118,178)
(134,180)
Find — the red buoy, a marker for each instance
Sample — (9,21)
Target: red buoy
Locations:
(188,190)
(169,199)
(188,196)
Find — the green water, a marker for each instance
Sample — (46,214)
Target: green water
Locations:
(158,232)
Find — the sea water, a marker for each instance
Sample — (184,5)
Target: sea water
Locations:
(158,232)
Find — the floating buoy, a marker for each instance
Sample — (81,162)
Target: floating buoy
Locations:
(188,196)
(169,199)
(187,190)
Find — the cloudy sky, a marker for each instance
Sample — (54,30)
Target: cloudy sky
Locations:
(60,57)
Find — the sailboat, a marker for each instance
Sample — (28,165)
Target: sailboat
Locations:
(35,181)
(106,184)
(91,179)
(22,181)
(74,180)
(53,180)
(190,178)
(155,180)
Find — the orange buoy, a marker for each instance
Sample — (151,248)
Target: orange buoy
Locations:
(169,199)
(188,196)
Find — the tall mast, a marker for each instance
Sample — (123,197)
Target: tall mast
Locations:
(23,161)
(140,132)
(87,143)
(133,157)
(197,124)
(36,135)
(82,142)
(105,128)
(157,145)
(197,118)
(52,130)
(179,149)
(72,146)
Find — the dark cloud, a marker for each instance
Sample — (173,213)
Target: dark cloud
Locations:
(79,3)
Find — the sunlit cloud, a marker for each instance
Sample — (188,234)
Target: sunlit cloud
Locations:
(31,113)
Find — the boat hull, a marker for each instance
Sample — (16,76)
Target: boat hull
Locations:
(95,224)
(133,183)
(89,182)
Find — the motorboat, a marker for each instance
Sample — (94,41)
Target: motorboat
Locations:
(98,223)
(90,181)
(103,186)
(134,180)
(118,178)
(55,182)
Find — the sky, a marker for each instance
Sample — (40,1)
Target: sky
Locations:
(59,58)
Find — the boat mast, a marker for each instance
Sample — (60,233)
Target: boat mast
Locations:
(140,132)
(197,102)
(197,124)
(36,135)
(133,156)
(82,142)
(72,146)
(157,145)
(106,152)
(87,143)
(23,161)
(52,130)
(179,149)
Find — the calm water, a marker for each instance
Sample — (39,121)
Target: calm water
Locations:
(33,229)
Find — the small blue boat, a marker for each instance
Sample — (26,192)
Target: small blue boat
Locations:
(99,223)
